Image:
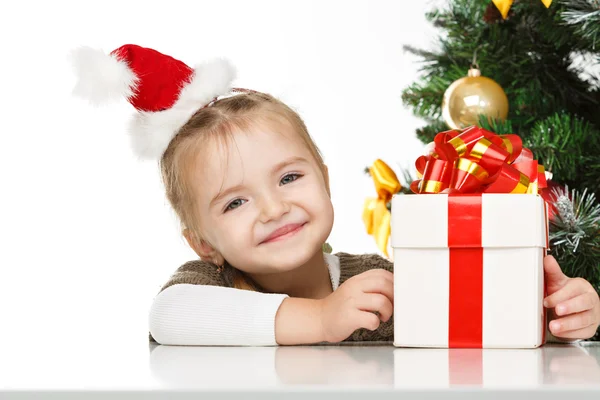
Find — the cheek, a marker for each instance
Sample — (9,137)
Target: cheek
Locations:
(234,230)
(327,208)
(319,191)
(317,201)
(328,213)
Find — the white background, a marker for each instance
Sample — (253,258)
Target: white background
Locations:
(86,232)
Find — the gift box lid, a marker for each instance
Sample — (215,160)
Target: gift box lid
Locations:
(505,220)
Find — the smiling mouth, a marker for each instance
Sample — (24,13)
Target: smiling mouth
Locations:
(285,235)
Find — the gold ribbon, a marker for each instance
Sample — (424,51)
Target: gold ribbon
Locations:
(504,5)
(376,216)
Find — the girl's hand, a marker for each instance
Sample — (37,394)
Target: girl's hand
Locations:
(574,300)
(353,304)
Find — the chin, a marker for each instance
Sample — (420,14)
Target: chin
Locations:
(273,260)
(287,257)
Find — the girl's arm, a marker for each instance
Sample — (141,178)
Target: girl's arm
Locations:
(199,314)
(187,314)
(298,321)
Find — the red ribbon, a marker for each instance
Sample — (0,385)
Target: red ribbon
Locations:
(478,161)
(465,165)
(466,271)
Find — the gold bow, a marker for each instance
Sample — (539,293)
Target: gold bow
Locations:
(504,5)
(376,216)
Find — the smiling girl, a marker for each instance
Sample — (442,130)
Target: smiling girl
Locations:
(251,190)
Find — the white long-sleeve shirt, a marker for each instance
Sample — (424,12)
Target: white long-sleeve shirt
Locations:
(187,314)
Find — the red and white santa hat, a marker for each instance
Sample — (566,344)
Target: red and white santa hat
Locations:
(164,91)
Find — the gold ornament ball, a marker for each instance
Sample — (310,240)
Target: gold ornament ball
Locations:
(468,97)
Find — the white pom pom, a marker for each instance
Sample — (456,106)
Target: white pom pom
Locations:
(151,132)
(210,79)
(101,77)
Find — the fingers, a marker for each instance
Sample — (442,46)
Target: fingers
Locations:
(574,287)
(368,320)
(378,286)
(372,292)
(576,326)
(583,302)
(375,302)
(379,281)
(555,278)
(377,272)
(585,333)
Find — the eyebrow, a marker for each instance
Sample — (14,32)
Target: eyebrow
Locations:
(276,168)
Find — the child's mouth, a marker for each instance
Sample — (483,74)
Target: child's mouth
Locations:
(284,233)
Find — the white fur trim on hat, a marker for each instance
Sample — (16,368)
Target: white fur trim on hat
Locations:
(101,77)
(151,132)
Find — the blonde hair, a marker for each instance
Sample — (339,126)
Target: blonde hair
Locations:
(218,122)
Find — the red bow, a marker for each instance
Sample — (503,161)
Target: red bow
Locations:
(478,161)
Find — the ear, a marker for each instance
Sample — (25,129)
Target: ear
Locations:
(204,250)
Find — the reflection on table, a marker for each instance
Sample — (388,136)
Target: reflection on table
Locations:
(374,365)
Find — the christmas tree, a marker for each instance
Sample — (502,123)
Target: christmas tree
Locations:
(547,61)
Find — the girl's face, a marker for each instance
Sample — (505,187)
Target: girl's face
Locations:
(250,193)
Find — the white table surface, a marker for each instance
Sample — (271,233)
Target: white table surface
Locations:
(138,370)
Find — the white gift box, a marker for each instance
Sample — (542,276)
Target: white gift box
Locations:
(468,270)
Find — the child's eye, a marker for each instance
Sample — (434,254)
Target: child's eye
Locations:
(234,204)
(289,178)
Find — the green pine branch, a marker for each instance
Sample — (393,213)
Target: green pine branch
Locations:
(575,234)
(584,15)
(495,125)
(568,147)
(427,133)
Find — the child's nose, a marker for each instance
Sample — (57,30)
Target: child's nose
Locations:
(273,207)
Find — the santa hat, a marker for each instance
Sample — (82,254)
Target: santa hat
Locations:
(165,91)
